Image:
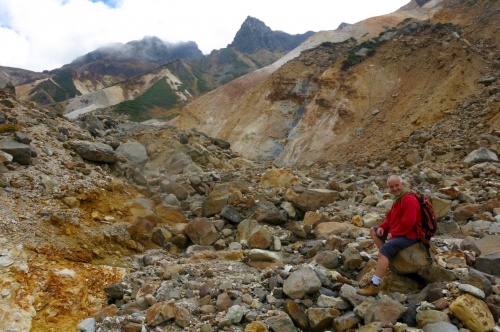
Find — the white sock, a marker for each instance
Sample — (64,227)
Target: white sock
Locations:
(376,280)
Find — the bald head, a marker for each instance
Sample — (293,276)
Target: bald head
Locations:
(395,184)
(394,178)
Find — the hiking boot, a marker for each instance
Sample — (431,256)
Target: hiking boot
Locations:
(369,290)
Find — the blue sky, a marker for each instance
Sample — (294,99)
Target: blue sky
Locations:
(109,3)
(46,34)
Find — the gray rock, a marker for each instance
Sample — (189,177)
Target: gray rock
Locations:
(328,259)
(259,255)
(22,138)
(313,199)
(471,290)
(230,213)
(320,319)
(171,200)
(348,293)
(115,291)
(384,310)
(222,143)
(301,282)
(481,155)
(479,280)
(87,325)
(178,166)
(235,314)
(440,327)
(21,153)
(280,323)
(362,52)
(269,213)
(332,302)
(176,189)
(95,151)
(134,152)
(352,259)
(5,157)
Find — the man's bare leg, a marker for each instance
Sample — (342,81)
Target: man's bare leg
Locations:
(378,241)
(382,266)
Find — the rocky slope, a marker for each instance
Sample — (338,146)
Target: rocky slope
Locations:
(111,225)
(343,98)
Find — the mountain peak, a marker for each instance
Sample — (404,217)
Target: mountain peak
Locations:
(255,35)
(135,57)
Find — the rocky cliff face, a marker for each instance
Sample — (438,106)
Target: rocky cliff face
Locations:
(254,36)
(345,98)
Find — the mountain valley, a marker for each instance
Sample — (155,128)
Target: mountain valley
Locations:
(245,203)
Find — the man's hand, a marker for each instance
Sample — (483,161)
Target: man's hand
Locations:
(380,231)
(389,236)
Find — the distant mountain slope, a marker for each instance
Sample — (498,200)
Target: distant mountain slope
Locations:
(92,80)
(18,76)
(124,61)
(355,92)
(139,96)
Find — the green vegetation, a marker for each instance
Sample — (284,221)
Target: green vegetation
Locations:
(49,87)
(405,21)
(231,76)
(202,85)
(256,63)
(228,56)
(241,64)
(59,88)
(327,44)
(7,103)
(353,59)
(184,75)
(160,95)
(65,80)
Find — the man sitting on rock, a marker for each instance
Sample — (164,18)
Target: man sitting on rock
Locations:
(398,231)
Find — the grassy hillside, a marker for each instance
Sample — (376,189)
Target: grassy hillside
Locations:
(159,98)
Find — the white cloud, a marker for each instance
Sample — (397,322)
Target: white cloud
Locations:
(46,34)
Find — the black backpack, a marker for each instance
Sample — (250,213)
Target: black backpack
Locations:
(429,219)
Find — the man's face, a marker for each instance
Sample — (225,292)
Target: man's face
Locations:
(395,186)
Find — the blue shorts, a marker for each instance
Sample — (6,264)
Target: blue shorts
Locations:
(393,246)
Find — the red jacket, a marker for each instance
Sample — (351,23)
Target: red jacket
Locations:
(401,219)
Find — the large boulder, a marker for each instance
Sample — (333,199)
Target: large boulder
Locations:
(301,282)
(312,199)
(473,313)
(202,231)
(410,260)
(21,153)
(95,151)
(384,310)
(134,152)
(481,155)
